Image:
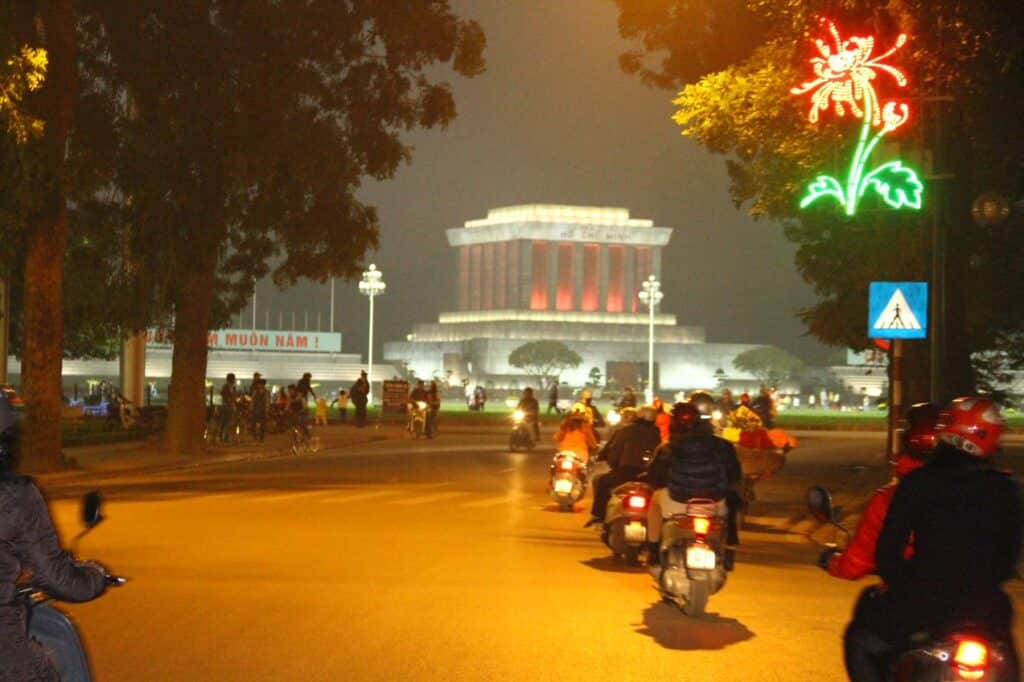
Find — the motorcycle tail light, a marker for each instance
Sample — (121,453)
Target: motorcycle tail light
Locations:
(637,502)
(701,525)
(970,659)
(566,464)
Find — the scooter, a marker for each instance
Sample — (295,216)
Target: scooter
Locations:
(692,556)
(52,628)
(568,480)
(966,653)
(625,520)
(521,437)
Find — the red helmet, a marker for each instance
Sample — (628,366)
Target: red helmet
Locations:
(745,399)
(684,416)
(921,434)
(973,425)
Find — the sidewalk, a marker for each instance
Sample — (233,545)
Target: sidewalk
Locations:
(149,456)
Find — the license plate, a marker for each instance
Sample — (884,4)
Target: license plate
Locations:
(563,485)
(636,531)
(700,557)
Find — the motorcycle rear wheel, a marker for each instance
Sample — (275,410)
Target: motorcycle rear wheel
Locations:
(697,599)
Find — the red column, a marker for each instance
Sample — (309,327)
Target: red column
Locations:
(475,256)
(566,278)
(616,278)
(500,275)
(591,281)
(463,278)
(487,302)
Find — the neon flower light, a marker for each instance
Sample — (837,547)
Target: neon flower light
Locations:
(845,79)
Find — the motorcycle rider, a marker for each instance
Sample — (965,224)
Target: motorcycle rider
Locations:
(628,398)
(28,540)
(418,394)
(869,630)
(694,463)
(963,517)
(433,408)
(589,409)
(625,454)
(531,411)
(576,435)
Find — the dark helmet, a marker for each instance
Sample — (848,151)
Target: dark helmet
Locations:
(684,417)
(704,403)
(231,376)
(922,432)
(528,391)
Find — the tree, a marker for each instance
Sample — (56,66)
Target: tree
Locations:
(769,364)
(544,359)
(594,378)
(232,156)
(39,115)
(737,104)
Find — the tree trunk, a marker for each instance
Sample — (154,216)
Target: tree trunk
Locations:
(186,414)
(46,241)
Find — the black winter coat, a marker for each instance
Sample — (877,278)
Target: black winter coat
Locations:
(29,541)
(698,464)
(630,443)
(964,518)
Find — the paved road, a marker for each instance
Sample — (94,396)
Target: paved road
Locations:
(441,560)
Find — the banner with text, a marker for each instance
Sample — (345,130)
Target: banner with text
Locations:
(258,339)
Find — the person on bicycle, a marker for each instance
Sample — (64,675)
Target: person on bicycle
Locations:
(297,409)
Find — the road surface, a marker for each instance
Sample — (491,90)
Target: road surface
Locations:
(441,560)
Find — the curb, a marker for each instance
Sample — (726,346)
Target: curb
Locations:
(200,462)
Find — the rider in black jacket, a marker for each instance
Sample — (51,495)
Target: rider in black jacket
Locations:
(962,517)
(627,453)
(28,541)
(694,463)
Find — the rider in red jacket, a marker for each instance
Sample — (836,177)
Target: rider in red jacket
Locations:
(867,633)
(919,440)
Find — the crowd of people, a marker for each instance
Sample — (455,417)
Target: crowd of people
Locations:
(255,409)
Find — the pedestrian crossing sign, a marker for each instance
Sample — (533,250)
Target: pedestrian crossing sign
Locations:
(898,310)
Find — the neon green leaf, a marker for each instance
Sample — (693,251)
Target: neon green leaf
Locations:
(823,185)
(896,184)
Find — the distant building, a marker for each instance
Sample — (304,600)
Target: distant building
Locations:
(566,273)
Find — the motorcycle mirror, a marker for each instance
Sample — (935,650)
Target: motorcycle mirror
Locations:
(92,508)
(819,503)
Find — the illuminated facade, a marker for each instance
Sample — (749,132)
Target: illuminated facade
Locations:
(566,273)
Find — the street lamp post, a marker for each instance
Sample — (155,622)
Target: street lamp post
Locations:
(372,286)
(650,296)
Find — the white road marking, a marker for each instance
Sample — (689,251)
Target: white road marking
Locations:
(436,497)
(495,501)
(287,496)
(356,497)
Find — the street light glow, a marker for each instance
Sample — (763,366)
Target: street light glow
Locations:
(650,295)
(372,286)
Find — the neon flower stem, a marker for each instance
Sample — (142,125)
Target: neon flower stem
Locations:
(860,157)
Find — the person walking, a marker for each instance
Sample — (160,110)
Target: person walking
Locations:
(260,406)
(228,396)
(360,393)
(341,400)
(553,398)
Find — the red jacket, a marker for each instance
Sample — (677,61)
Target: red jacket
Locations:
(859,558)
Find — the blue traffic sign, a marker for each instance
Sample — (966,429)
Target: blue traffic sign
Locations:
(898,310)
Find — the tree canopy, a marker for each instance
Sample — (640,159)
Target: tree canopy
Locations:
(544,359)
(769,364)
(735,80)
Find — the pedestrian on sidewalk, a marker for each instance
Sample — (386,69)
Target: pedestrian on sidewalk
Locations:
(260,406)
(553,398)
(228,396)
(341,400)
(360,393)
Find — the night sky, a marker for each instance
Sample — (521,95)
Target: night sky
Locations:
(554,120)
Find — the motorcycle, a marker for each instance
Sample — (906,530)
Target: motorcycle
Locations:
(568,480)
(417,418)
(966,653)
(521,437)
(52,628)
(692,556)
(625,521)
